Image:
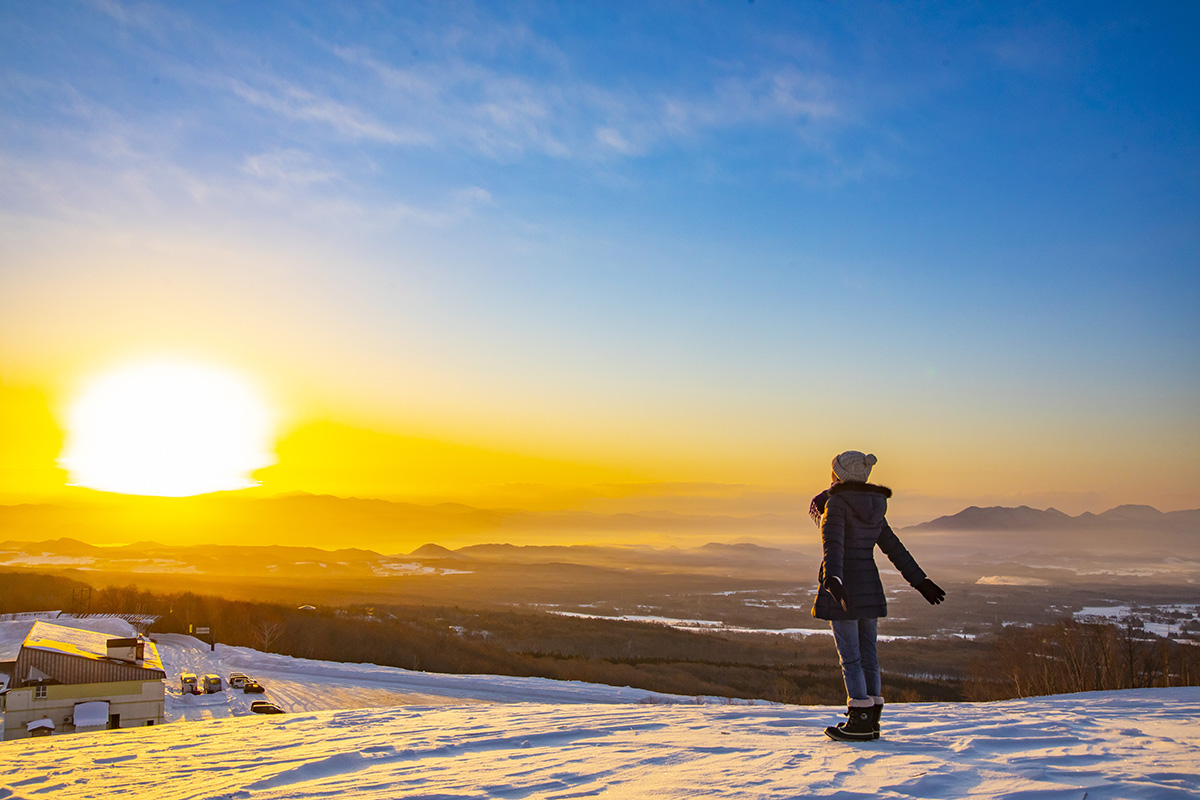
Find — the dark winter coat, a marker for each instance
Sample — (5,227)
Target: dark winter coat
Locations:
(853,523)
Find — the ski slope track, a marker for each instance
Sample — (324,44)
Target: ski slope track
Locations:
(364,731)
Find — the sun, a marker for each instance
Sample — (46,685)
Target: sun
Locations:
(169,429)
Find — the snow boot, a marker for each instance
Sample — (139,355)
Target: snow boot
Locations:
(876,711)
(859,727)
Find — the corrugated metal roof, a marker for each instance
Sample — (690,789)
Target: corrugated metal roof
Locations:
(76,642)
(35,666)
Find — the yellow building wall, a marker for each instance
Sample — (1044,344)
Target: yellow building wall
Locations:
(137,702)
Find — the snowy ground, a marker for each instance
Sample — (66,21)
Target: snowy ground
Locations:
(1139,744)
(297,684)
(363,731)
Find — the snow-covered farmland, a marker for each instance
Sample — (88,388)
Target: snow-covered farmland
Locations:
(717,625)
(697,624)
(1174,620)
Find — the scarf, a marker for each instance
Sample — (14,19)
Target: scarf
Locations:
(817,507)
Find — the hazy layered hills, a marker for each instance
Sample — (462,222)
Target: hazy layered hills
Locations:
(1144,518)
(595,577)
(306,534)
(385,526)
(1129,540)
(225,546)
(429,559)
(326,522)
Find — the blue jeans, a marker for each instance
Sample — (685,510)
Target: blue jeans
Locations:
(855,640)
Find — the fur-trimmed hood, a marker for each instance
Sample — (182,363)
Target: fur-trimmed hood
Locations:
(859,486)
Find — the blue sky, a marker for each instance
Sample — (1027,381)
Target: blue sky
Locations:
(697,241)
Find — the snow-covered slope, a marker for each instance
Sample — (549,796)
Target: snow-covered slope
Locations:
(421,735)
(298,684)
(1138,744)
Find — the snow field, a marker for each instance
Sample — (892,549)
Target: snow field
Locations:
(366,731)
(1132,744)
(301,685)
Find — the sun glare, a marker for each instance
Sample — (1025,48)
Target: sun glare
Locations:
(167,429)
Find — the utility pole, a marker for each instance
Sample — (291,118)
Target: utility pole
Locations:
(81,601)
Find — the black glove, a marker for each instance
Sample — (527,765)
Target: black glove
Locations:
(835,588)
(932,592)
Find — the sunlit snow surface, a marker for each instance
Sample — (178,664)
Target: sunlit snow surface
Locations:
(475,736)
(1138,744)
(298,684)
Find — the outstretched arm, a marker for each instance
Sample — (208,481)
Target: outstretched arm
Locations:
(898,554)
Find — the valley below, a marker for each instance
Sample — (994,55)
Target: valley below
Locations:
(728,619)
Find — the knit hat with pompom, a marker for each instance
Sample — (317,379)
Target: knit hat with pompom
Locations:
(853,466)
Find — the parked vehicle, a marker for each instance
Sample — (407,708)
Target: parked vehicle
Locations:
(236,679)
(251,686)
(188,684)
(263,707)
(211,683)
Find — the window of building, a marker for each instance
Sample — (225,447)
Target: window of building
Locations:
(39,693)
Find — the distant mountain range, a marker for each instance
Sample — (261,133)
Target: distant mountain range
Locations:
(300,540)
(278,563)
(325,521)
(1024,518)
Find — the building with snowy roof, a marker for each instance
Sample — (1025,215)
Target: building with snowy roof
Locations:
(66,680)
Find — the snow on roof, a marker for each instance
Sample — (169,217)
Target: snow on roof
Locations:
(12,636)
(44,722)
(76,642)
(29,616)
(115,626)
(91,715)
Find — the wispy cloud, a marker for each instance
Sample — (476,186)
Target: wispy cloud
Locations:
(782,96)
(148,18)
(459,205)
(304,105)
(325,114)
(289,167)
(465,104)
(503,114)
(475,82)
(102,164)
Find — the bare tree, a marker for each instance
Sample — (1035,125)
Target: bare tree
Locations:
(266,631)
(1130,627)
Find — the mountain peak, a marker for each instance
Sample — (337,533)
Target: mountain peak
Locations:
(1132,512)
(998,518)
(434,551)
(1026,518)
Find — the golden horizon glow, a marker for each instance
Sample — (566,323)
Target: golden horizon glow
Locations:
(170,429)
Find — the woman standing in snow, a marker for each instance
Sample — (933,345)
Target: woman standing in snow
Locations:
(851,515)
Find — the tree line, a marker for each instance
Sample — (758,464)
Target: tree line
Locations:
(1071,656)
(454,639)
(1064,657)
